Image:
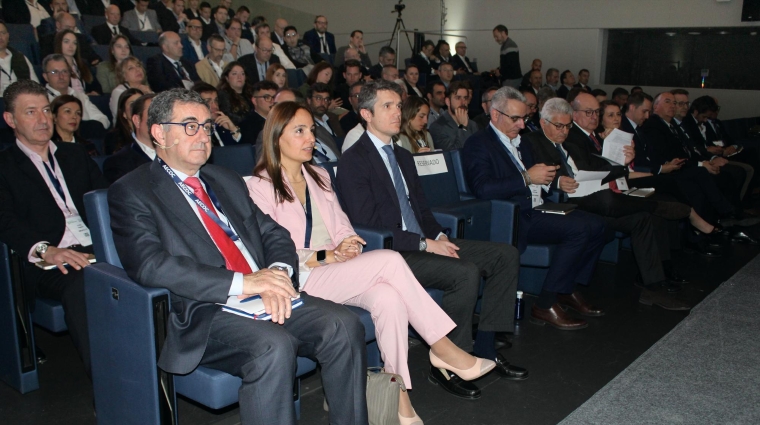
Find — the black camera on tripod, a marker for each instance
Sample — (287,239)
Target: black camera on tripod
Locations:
(399,7)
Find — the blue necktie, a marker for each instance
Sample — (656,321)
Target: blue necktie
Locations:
(403,200)
(568,168)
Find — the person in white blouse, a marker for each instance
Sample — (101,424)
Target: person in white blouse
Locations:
(131,74)
(14,66)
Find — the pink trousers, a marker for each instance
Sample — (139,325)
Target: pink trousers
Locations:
(382,283)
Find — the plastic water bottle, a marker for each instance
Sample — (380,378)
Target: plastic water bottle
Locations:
(519,307)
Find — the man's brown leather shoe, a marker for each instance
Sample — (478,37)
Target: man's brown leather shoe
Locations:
(557,318)
(579,304)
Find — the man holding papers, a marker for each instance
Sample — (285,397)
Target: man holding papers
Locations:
(499,165)
(196,232)
(643,219)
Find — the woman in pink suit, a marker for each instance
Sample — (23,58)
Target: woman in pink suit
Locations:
(288,188)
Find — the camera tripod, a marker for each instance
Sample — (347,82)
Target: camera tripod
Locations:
(400,25)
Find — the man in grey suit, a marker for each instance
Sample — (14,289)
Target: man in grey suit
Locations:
(141,18)
(192,228)
(453,127)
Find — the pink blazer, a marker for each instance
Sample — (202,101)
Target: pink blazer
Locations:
(291,215)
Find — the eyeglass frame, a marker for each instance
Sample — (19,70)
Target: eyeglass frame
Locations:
(327,99)
(515,117)
(560,126)
(265,96)
(208,124)
(589,112)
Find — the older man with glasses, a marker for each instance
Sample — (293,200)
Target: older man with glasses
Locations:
(499,164)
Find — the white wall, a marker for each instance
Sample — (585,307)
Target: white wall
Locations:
(565,34)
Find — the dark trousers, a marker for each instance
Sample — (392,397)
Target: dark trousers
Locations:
(459,279)
(68,289)
(580,238)
(263,354)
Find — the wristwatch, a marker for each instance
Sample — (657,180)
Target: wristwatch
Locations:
(322,257)
(462,127)
(423,244)
(41,249)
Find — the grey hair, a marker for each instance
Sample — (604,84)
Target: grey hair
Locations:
(162,106)
(54,57)
(500,98)
(368,95)
(555,106)
(546,93)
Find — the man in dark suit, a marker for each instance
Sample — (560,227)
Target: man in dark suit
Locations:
(263,99)
(227,249)
(65,21)
(256,64)
(381,188)
(351,75)
(454,126)
(638,109)
(351,119)
(498,164)
(104,32)
(425,59)
(643,219)
(171,15)
(318,39)
(140,151)
(225,132)
(193,47)
(42,215)
(47,25)
(568,81)
(583,76)
(461,62)
(168,69)
(328,132)
(387,56)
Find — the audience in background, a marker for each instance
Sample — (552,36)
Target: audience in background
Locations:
(121,133)
(211,67)
(193,47)
(57,74)
(14,64)
(277,74)
(67,115)
(318,39)
(131,74)
(107,71)
(454,126)
(235,92)
(140,149)
(168,69)
(141,18)
(413,134)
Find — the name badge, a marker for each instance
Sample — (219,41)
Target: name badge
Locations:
(622,184)
(430,164)
(79,229)
(535,199)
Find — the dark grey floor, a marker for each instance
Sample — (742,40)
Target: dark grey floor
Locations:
(566,368)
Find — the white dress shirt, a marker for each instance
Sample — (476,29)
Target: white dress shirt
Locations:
(143,21)
(7,76)
(37,12)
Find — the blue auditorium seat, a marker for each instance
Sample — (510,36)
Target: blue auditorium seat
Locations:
(23,40)
(127,324)
(296,77)
(240,158)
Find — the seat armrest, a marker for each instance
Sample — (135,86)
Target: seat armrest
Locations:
(505,216)
(127,325)
(451,219)
(376,238)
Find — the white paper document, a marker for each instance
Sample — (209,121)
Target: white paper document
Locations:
(588,182)
(613,150)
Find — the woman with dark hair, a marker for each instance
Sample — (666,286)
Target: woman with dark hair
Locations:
(121,134)
(331,265)
(106,71)
(130,74)
(82,80)
(67,115)
(414,136)
(610,118)
(277,74)
(321,73)
(235,92)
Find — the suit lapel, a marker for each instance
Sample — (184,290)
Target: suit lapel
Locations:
(379,168)
(498,147)
(173,199)
(27,167)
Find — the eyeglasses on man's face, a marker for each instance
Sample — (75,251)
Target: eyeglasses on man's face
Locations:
(590,112)
(514,118)
(192,127)
(560,126)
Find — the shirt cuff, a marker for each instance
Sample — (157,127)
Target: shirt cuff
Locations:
(237,285)
(700,164)
(33,258)
(287,266)
(439,236)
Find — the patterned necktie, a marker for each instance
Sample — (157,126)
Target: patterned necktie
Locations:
(233,258)
(596,142)
(403,200)
(180,70)
(115,32)
(325,49)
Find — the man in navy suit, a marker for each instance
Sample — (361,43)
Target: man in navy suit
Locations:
(499,165)
(168,69)
(318,39)
(193,45)
(381,188)
(225,132)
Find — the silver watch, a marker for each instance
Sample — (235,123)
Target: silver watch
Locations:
(41,249)
(423,244)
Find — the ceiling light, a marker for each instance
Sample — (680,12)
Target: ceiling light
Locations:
(722,32)
(670,34)
(695,33)
(753,33)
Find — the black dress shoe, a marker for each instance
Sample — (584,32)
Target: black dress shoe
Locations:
(702,248)
(741,237)
(665,286)
(675,277)
(41,356)
(452,383)
(508,371)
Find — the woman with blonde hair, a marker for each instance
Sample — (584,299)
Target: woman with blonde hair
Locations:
(131,75)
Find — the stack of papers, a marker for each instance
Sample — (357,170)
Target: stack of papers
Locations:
(588,182)
(253,307)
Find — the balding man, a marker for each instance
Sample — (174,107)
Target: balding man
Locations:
(461,62)
(109,29)
(168,69)
(47,25)
(64,21)
(390,73)
(256,64)
(279,31)
(534,66)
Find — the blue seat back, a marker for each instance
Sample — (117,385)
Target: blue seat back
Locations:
(296,77)
(23,40)
(90,21)
(101,50)
(456,162)
(146,36)
(440,188)
(96,206)
(144,52)
(240,158)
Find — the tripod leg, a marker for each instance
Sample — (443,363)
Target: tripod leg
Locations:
(411,46)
